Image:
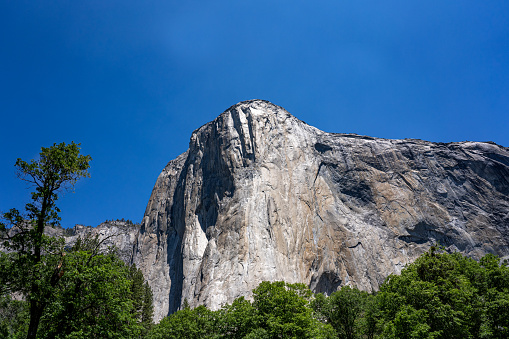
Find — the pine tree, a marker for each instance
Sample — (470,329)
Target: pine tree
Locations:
(147,312)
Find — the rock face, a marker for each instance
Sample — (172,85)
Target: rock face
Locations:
(261,195)
(119,234)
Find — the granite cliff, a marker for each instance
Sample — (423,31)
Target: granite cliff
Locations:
(260,195)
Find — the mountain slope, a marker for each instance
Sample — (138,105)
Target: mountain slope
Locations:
(260,195)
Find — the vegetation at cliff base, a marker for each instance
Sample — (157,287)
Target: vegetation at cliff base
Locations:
(445,295)
(440,295)
(99,297)
(278,310)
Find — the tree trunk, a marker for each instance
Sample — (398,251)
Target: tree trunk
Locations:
(35,317)
(36,306)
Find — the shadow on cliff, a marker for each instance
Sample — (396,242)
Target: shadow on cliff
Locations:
(174,242)
(216,183)
(217,177)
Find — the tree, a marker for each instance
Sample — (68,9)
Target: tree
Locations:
(283,311)
(187,323)
(147,310)
(98,296)
(237,320)
(279,310)
(141,295)
(13,318)
(94,298)
(33,265)
(343,310)
(444,295)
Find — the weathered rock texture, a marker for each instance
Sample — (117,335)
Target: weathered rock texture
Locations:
(261,195)
(115,233)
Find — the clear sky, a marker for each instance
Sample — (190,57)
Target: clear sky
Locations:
(131,80)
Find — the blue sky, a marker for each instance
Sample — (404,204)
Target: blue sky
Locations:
(131,80)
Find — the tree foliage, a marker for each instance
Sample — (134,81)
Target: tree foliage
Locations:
(278,310)
(238,319)
(344,311)
(141,296)
(99,296)
(445,295)
(187,323)
(13,318)
(283,311)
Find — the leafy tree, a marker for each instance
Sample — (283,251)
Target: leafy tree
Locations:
(187,323)
(283,311)
(282,308)
(258,333)
(495,287)
(94,298)
(33,266)
(369,321)
(445,295)
(409,323)
(343,310)
(237,320)
(279,310)
(13,318)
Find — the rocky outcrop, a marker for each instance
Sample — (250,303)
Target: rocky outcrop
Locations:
(117,234)
(261,195)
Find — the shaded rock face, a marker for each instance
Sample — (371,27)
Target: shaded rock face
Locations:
(260,195)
